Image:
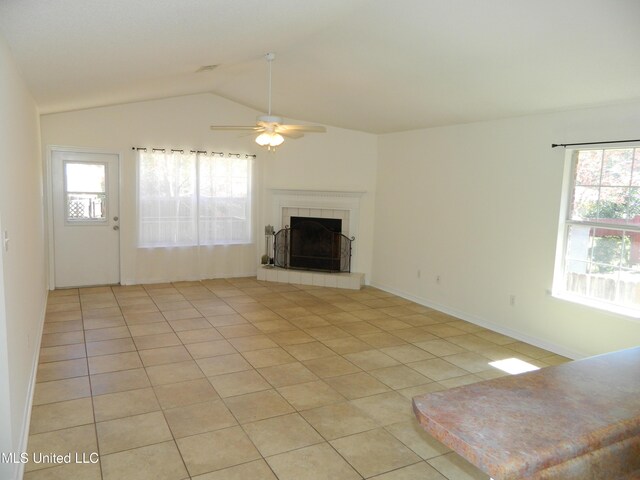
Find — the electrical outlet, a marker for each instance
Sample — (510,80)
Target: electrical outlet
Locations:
(5,240)
(419,273)
(438,279)
(512,300)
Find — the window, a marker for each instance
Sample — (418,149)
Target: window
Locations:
(85,191)
(188,199)
(600,261)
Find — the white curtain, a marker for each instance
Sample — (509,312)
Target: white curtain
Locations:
(186,199)
(167,199)
(225,200)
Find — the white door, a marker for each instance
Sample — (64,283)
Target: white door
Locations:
(85,218)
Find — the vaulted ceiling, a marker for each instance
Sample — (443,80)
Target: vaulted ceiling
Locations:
(373,65)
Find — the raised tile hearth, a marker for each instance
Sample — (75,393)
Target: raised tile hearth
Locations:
(351,281)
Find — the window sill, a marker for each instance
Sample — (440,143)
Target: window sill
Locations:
(207,245)
(626,312)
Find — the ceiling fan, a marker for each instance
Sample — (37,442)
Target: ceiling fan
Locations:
(270,129)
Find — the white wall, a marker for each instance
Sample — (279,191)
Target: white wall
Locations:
(478,205)
(6,426)
(335,160)
(22,286)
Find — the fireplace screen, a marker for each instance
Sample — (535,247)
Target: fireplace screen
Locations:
(313,244)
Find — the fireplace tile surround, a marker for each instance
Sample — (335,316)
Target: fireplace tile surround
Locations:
(288,212)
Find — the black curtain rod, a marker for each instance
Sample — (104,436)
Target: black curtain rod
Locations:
(213,154)
(554,145)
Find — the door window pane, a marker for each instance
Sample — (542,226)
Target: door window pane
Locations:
(85,191)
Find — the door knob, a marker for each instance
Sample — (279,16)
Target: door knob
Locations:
(116,227)
(115,219)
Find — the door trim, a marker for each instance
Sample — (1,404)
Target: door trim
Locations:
(49,201)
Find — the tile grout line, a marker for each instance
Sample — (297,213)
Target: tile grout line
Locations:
(299,298)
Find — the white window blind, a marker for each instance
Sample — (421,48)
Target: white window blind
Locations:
(188,199)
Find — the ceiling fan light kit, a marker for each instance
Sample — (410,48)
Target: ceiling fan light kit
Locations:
(271,131)
(270,140)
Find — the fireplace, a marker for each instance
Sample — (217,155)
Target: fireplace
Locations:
(312,243)
(317,204)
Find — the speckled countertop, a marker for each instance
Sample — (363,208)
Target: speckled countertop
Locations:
(515,426)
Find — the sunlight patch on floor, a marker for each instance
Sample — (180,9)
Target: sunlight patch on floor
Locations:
(513,366)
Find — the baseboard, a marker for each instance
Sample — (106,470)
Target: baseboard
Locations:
(26,421)
(252,273)
(188,278)
(482,322)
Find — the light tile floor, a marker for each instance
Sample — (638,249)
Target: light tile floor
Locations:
(240,379)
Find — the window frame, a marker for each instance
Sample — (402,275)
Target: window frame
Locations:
(559,289)
(197,214)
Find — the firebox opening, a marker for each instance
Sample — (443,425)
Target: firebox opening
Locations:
(314,243)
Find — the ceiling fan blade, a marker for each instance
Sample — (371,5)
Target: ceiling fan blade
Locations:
(289,133)
(249,134)
(235,127)
(305,128)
